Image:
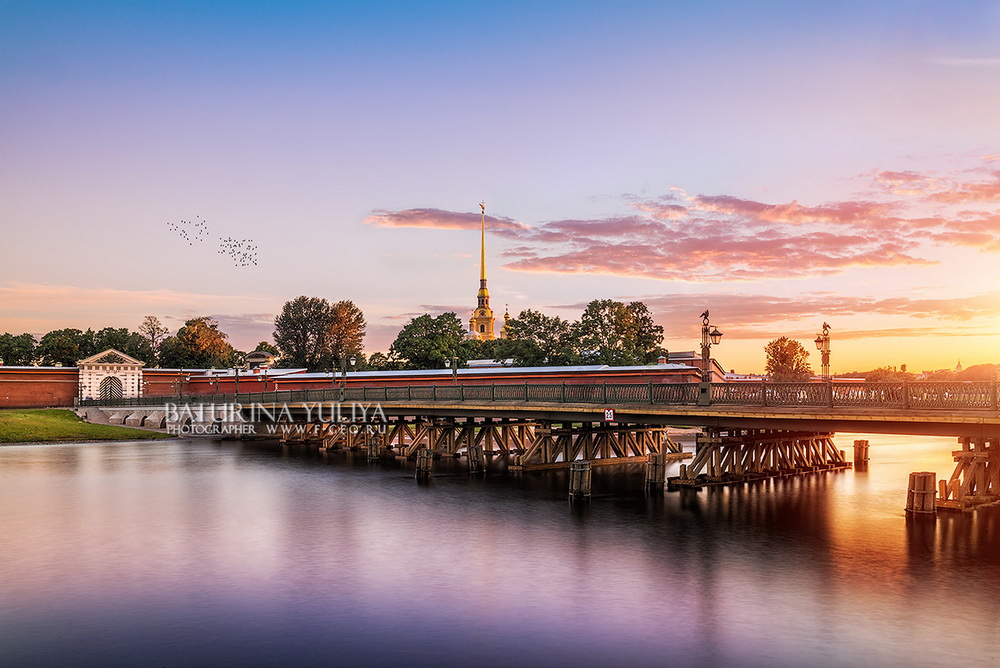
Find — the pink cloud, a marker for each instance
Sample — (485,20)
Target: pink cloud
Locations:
(793,212)
(677,236)
(442,220)
(972,191)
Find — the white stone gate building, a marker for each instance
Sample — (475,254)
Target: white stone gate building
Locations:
(110,375)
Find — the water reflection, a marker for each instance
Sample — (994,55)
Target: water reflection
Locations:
(198,553)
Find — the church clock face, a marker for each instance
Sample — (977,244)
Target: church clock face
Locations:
(482,313)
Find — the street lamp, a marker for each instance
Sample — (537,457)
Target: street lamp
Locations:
(454,369)
(239,360)
(709,336)
(822,342)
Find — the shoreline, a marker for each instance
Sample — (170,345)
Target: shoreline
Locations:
(89,440)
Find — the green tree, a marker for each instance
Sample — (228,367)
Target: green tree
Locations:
(787,361)
(382,362)
(312,333)
(17,350)
(65,347)
(886,374)
(198,344)
(535,339)
(266,347)
(978,372)
(474,349)
(610,332)
(426,342)
(121,339)
(945,375)
(153,331)
(644,335)
(301,331)
(345,333)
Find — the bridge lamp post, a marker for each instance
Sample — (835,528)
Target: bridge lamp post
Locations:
(822,342)
(709,336)
(240,360)
(454,369)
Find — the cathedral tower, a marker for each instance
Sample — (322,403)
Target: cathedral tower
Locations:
(481,322)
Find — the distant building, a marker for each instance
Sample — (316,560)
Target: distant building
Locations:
(690,358)
(110,375)
(260,359)
(481,324)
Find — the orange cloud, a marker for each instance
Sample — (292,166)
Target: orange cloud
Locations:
(677,236)
(768,316)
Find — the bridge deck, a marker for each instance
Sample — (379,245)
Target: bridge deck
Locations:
(936,422)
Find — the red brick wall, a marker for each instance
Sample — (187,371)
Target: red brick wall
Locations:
(162,382)
(37,387)
(551,376)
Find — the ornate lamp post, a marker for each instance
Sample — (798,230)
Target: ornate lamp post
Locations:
(709,336)
(822,342)
(454,369)
(237,364)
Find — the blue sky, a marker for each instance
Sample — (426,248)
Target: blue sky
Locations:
(292,124)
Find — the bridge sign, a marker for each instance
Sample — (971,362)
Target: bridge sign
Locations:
(609,414)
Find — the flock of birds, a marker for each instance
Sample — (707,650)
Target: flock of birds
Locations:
(243,252)
(190,231)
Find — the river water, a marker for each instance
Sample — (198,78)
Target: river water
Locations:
(196,552)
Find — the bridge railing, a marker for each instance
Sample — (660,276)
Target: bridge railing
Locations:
(967,395)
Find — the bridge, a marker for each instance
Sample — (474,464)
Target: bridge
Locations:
(746,430)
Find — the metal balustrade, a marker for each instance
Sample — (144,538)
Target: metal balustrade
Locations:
(968,395)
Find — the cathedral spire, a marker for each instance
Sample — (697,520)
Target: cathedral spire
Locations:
(482,247)
(481,323)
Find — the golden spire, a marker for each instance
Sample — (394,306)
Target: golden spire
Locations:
(482,247)
(481,323)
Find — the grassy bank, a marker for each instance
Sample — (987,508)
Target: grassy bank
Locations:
(53,425)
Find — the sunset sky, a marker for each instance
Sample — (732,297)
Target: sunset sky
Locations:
(781,164)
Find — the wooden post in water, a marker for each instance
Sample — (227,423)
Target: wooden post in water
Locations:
(425,460)
(920,495)
(374,446)
(860,455)
(579,480)
(656,470)
(477,459)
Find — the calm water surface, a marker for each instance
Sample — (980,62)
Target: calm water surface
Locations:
(207,553)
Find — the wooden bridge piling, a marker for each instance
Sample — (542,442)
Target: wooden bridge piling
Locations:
(920,494)
(425,461)
(477,459)
(737,455)
(860,455)
(975,482)
(656,471)
(579,480)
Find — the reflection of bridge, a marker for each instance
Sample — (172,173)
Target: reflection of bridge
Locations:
(751,430)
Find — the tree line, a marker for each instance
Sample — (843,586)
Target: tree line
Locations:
(198,344)
(312,333)
(315,334)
